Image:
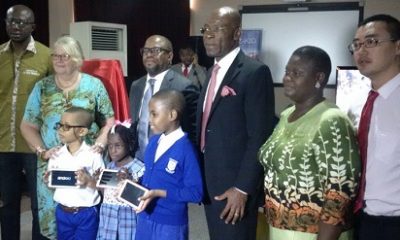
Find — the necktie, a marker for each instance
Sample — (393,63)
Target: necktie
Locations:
(143,126)
(186,71)
(207,108)
(363,130)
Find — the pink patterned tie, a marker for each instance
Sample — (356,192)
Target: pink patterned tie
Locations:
(207,108)
(363,130)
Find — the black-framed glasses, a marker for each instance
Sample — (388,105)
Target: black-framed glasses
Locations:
(66,127)
(368,43)
(153,51)
(60,57)
(212,29)
(17,22)
(295,73)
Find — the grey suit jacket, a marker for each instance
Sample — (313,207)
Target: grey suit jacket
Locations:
(197,74)
(172,80)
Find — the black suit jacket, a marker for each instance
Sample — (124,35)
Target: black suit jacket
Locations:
(172,80)
(237,127)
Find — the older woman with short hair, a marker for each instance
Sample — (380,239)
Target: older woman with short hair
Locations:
(311,160)
(49,98)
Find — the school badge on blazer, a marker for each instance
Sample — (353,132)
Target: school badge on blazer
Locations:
(171,165)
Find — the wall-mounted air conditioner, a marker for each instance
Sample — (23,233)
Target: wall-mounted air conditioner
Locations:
(102,40)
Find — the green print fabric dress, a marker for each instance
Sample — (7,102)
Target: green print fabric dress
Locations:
(311,168)
(44,108)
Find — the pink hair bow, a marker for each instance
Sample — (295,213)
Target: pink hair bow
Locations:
(126,123)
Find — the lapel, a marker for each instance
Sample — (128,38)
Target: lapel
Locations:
(232,73)
(139,95)
(167,81)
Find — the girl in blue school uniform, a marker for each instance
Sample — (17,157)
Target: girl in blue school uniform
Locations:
(117,219)
(172,173)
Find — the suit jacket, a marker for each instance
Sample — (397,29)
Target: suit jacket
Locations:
(172,80)
(237,127)
(197,74)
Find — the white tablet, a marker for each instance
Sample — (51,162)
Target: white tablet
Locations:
(62,179)
(130,192)
(108,179)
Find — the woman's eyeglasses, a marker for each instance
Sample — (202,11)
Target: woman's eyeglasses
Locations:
(60,57)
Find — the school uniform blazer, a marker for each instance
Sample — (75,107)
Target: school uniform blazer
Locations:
(172,80)
(237,127)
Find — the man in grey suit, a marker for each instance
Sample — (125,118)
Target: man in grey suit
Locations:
(235,116)
(157,56)
(189,68)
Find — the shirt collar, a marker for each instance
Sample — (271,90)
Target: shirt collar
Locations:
(228,59)
(158,77)
(30,47)
(389,87)
(173,136)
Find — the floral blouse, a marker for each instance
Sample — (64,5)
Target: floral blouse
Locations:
(311,167)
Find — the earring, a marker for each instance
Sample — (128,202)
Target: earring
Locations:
(317,85)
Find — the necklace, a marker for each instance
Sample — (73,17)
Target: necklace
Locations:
(68,85)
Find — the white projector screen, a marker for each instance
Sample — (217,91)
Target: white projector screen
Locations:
(288,27)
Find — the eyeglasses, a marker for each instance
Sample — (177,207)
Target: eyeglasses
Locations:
(62,57)
(213,29)
(65,127)
(368,43)
(17,22)
(152,51)
(294,73)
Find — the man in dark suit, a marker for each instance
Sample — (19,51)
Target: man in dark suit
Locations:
(239,121)
(189,68)
(157,57)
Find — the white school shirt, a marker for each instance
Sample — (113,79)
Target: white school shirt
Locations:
(83,158)
(382,190)
(166,141)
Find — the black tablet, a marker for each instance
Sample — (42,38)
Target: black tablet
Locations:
(108,179)
(62,178)
(130,192)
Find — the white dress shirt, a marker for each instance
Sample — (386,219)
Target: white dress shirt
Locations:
(382,191)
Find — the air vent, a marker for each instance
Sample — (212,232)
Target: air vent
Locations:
(106,39)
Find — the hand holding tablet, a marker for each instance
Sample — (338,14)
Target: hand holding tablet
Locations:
(130,192)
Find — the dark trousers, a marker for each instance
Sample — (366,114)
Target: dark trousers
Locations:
(11,179)
(244,229)
(376,227)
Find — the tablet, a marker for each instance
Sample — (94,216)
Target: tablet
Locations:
(108,179)
(130,192)
(62,179)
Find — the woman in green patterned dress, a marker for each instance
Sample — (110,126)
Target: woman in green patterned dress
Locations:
(311,160)
(49,98)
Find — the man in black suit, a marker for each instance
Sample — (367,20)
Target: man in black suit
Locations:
(239,121)
(157,57)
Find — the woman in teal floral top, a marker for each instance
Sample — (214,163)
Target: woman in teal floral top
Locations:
(49,98)
(311,160)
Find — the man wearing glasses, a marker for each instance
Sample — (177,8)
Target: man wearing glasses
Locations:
(157,55)
(23,61)
(376,52)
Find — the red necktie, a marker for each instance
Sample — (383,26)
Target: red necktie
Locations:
(363,130)
(207,108)
(186,71)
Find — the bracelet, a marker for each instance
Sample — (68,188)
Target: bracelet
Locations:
(39,151)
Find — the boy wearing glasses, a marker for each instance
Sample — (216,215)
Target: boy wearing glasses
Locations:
(76,212)
(376,52)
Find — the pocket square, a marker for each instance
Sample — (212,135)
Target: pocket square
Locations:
(227,91)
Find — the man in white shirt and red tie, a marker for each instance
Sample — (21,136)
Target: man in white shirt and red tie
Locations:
(376,52)
(189,68)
